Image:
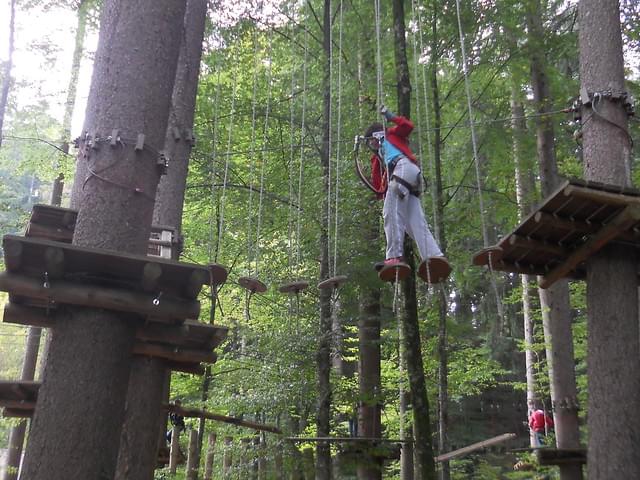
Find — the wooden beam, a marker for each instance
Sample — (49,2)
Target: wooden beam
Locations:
(475,446)
(347,439)
(622,222)
(17,404)
(509,267)
(565,223)
(49,232)
(197,279)
(30,316)
(17,413)
(175,354)
(151,273)
(197,413)
(601,196)
(531,244)
(193,368)
(100,297)
(563,456)
(54,262)
(12,255)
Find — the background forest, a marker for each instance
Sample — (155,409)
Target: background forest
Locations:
(255,197)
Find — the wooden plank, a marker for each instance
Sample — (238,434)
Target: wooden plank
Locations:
(601,196)
(109,265)
(518,241)
(192,368)
(475,446)
(347,439)
(176,354)
(100,297)
(623,221)
(564,456)
(49,232)
(17,413)
(30,316)
(197,413)
(17,404)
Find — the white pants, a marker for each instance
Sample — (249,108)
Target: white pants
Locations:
(402,212)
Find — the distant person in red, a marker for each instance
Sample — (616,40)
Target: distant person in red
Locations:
(394,168)
(539,422)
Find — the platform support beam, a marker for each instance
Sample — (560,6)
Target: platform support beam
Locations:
(622,222)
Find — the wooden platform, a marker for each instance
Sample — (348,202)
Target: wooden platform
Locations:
(52,223)
(18,398)
(554,456)
(184,346)
(570,226)
(371,449)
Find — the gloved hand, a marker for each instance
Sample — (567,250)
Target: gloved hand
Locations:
(400,189)
(386,113)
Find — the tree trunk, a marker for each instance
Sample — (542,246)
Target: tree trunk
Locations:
(554,302)
(323,361)
(369,372)
(524,195)
(132,80)
(6,74)
(144,419)
(612,293)
(193,459)
(174,452)
(413,351)
(227,459)
(208,464)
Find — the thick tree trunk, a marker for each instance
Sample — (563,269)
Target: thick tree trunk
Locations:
(85,382)
(369,372)
(208,464)
(612,288)
(554,302)
(323,361)
(144,418)
(413,351)
(6,74)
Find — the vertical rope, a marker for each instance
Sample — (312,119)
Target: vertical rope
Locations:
(302,136)
(474,143)
(379,91)
(213,166)
(427,113)
(329,146)
(338,145)
(250,245)
(226,163)
(264,155)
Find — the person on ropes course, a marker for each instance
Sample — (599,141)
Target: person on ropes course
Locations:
(394,168)
(539,422)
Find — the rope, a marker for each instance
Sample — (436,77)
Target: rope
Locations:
(379,92)
(329,146)
(302,135)
(226,163)
(338,133)
(250,245)
(474,143)
(427,114)
(213,167)
(264,160)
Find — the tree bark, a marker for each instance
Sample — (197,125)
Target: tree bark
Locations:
(6,74)
(323,361)
(208,465)
(193,458)
(613,356)
(144,418)
(554,302)
(413,351)
(132,81)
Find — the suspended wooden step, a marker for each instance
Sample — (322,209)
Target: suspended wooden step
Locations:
(294,287)
(561,456)
(434,270)
(52,223)
(391,273)
(571,225)
(332,282)
(252,284)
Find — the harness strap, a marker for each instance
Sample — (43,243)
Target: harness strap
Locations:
(414,191)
